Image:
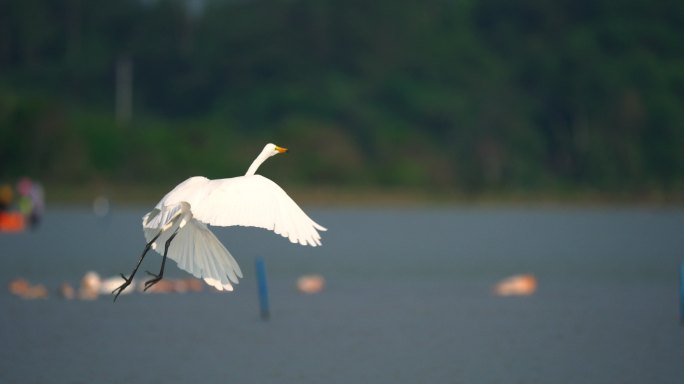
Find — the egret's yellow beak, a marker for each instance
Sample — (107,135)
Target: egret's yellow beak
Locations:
(280,149)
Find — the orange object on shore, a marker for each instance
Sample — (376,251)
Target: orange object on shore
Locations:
(12,222)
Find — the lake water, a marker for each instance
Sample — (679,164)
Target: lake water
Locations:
(408,300)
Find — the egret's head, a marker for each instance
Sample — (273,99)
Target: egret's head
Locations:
(272,149)
(268,151)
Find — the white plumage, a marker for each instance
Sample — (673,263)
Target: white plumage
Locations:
(250,200)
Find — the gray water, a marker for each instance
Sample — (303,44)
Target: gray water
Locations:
(408,300)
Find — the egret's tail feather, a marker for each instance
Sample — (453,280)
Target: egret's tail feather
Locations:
(198,251)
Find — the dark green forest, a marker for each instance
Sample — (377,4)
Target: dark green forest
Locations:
(470,97)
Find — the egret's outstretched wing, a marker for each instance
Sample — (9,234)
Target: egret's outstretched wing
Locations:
(254,201)
(199,252)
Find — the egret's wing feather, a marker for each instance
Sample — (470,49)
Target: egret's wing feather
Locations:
(191,190)
(149,229)
(154,220)
(255,201)
(171,204)
(196,250)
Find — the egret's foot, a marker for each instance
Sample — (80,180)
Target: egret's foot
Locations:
(155,280)
(123,286)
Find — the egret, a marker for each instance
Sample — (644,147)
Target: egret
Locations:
(179,222)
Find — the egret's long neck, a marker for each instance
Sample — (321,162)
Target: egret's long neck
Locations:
(256,163)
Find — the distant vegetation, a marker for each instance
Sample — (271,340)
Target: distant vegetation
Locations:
(467,96)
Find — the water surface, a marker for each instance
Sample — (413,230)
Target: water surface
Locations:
(408,299)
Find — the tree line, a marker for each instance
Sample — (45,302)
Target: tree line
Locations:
(465,95)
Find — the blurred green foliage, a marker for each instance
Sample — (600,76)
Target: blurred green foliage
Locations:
(472,96)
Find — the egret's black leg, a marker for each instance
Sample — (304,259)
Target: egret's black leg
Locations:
(127,281)
(158,277)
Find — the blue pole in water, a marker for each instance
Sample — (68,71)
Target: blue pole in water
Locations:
(681,293)
(263,288)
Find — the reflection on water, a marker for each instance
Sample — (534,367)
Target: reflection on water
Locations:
(407,298)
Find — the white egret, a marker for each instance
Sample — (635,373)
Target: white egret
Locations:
(179,221)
